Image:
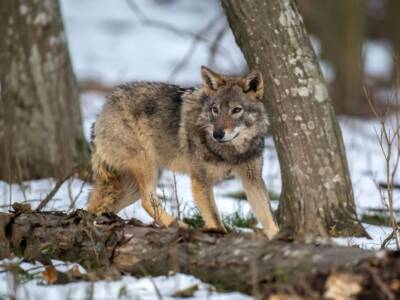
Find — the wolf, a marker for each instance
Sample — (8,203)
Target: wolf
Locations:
(210,132)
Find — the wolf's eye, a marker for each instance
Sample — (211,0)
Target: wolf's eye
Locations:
(214,110)
(236,110)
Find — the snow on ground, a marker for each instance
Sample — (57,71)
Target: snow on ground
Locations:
(108,43)
(366,161)
(126,288)
(377,233)
(366,165)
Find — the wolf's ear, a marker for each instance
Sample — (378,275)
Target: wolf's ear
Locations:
(212,80)
(253,83)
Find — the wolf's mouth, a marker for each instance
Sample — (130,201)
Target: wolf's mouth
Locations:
(223,142)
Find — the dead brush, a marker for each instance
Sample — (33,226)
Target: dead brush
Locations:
(388,135)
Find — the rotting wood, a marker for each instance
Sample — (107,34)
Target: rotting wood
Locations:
(107,246)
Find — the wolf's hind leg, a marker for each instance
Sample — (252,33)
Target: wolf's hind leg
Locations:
(146,178)
(203,195)
(130,192)
(107,190)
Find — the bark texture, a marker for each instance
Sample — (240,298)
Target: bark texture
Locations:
(40,122)
(108,246)
(317,196)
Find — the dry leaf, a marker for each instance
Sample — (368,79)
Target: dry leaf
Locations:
(343,286)
(186,293)
(21,207)
(283,296)
(50,275)
(75,271)
(395,285)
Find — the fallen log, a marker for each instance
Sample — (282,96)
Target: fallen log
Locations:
(108,246)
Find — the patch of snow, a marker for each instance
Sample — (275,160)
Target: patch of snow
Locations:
(91,104)
(327,70)
(72,191)
(127,287)
(315,44)
(366,162)
(378,59)
(377,233)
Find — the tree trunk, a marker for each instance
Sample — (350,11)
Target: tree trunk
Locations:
(317,196)
(392,30)
(344,42)
(340,27)
(108,246)
(40,122)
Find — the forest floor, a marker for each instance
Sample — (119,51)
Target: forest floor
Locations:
(115,47)
(367,172)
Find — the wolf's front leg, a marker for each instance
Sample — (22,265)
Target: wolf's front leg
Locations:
(203,195)
(257,194)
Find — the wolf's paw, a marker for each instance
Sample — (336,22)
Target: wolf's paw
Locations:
(219,229)
(174,223)
(183,225)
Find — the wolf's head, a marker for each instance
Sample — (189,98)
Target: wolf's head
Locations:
(235,108)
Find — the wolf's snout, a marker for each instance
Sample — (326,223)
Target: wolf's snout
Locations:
(218,134)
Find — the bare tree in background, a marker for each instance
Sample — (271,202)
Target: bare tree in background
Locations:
(346,55)
(340,26)
(317,196)
(40,123)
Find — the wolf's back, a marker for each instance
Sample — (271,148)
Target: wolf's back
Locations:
(137,117)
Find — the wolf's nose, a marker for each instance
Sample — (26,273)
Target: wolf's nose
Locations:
(218,134)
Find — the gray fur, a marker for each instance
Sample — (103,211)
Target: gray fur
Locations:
(146,127)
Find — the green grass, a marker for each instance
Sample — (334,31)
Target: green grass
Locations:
(281,274)
(236,219)
(195,221)
(239,219)
(375,219)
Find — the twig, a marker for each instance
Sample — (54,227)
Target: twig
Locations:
(189,53)
(387,239)
(59,183)
(382,285)
(20,181)
(175,190)
(216,44)
(157,290)
(213,44)
(389,142)
(73,202)
(160,24)
(28,201)
(384,185)
(35,267)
